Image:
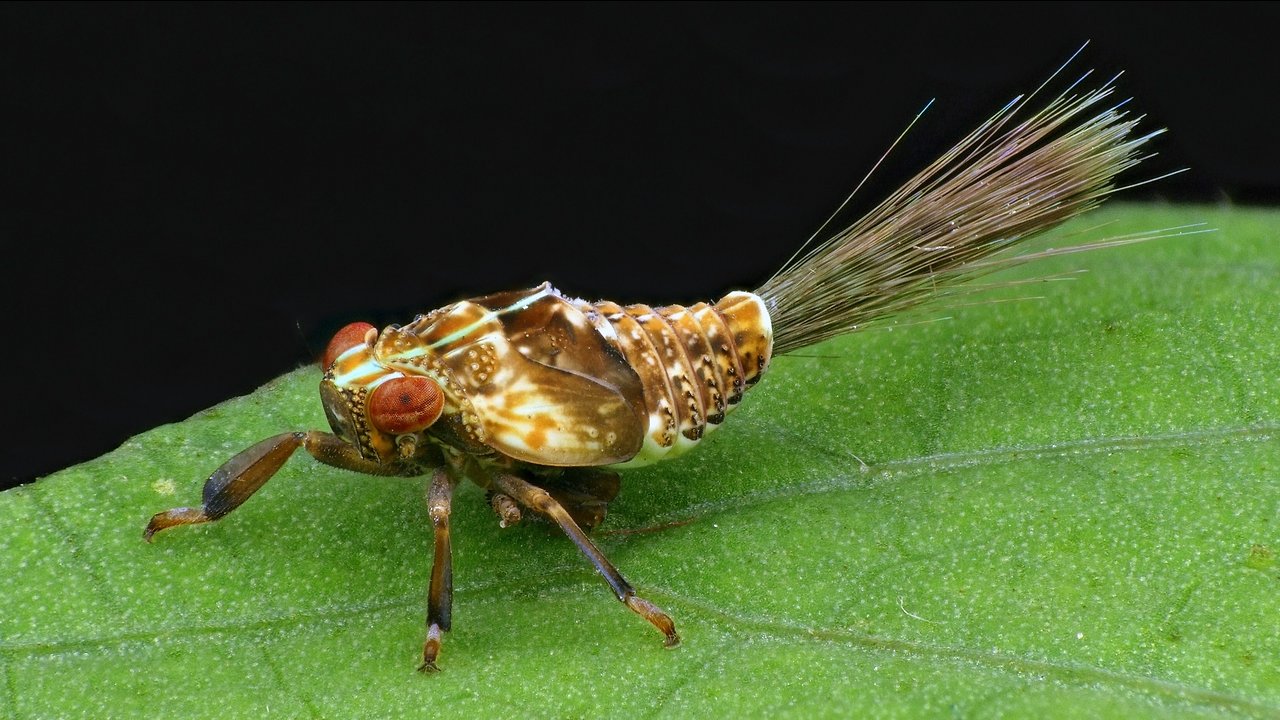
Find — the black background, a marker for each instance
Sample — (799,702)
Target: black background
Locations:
(195,197)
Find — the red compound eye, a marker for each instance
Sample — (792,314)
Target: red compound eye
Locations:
(359,333)
(405,404)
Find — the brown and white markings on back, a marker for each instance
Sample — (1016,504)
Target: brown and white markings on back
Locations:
(540,398)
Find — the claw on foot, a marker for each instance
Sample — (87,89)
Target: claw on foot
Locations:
(657,618)
(431,650)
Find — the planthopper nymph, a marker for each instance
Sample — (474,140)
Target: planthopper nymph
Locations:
(541,398)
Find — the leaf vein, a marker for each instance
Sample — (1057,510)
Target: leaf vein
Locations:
(906,468)
(284,688)
(10,689)
(76,548)
(1070,673)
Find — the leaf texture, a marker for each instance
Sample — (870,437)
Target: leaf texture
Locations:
(1046,508)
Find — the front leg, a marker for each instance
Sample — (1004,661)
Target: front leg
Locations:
(241,476)
(440,594)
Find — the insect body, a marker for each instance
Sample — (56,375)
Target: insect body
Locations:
(540,398)
(543,379)
(512,386)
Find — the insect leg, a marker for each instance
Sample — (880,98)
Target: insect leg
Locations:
(540,501)
(440,596)
(506,509)
(241,476)
(584,493)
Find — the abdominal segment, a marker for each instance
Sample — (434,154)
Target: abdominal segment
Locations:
(694,363)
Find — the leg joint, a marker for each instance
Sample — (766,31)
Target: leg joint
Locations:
(439,513)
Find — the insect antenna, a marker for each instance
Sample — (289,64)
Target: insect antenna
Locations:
(1007,181)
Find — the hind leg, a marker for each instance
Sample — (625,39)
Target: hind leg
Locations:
(540,501)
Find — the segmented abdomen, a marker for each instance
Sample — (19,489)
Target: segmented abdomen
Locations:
(694,363)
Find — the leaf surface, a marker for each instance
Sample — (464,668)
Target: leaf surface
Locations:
(1056,507)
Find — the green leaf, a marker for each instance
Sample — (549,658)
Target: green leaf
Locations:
(1065,507)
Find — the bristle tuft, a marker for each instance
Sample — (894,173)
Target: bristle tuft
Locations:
(1004,183)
